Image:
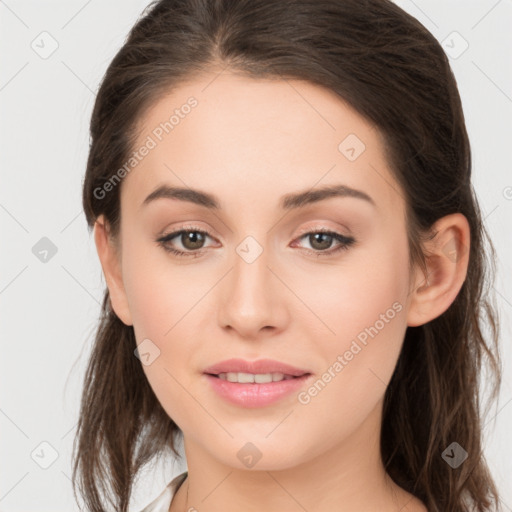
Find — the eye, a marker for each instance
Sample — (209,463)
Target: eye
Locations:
(191,240)
(321,241)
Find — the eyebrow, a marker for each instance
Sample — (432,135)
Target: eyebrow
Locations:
(288,202)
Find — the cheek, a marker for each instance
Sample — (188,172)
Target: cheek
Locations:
(365,291)
(165,302)
(159,292)
(370,321)
(164,310)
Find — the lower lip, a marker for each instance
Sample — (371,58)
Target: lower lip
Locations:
(255,395)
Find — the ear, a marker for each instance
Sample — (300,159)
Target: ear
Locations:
(109,255)
(447,257)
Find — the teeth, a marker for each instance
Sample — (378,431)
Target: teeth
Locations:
(258,378)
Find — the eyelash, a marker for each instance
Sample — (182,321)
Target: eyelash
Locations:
(344,242)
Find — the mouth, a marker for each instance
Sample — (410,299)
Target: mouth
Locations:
(255,383)
(255,378)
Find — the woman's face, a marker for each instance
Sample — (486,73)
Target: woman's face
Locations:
(262,283)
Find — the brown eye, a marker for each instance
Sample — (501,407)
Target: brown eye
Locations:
(191,242)
(322,240)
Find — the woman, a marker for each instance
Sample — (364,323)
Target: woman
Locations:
(294,256)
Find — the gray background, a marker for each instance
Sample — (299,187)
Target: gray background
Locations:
(49,308)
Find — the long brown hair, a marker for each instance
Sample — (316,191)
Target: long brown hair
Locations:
(387,66)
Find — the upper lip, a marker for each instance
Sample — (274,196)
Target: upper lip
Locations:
(259,366)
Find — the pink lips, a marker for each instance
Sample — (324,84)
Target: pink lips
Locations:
(259,366)
(253,395)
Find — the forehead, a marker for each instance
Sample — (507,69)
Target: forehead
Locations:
(243,138)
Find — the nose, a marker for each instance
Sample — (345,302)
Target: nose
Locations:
(252,300)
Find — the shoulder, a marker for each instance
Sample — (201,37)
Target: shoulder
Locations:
(163,501)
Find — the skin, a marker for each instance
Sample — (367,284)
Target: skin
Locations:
(249,142)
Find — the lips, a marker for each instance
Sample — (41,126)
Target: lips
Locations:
(260,366)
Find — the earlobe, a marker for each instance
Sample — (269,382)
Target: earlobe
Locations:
(111,265)
(447,258)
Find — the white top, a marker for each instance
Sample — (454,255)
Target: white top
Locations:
(163,502)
